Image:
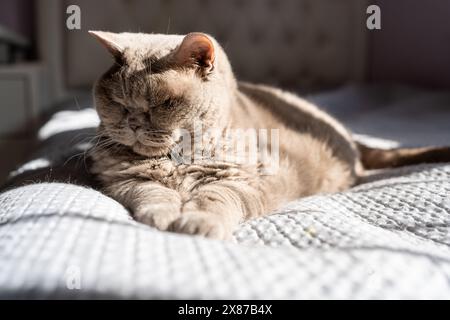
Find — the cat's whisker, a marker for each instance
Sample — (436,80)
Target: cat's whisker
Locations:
(87,141)
(102,145)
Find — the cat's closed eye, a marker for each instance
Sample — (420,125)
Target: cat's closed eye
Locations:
(125,110)
(169,103)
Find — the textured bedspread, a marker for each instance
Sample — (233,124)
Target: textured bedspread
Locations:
(386,238)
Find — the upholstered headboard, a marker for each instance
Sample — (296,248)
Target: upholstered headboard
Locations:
(293,43)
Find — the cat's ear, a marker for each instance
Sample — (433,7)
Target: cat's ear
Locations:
(196,50)
(110,41)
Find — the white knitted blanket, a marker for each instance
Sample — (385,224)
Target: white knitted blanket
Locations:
(387,238)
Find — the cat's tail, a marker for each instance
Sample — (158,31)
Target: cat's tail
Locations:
(373,158)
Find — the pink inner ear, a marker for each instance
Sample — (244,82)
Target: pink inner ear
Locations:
(196,48)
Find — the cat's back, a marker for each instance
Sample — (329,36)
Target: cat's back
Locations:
(314,147)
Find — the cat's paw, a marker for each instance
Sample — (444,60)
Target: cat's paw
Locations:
(201,223)
(158,216)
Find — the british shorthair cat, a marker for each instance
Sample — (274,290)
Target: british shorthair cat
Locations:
(162,87)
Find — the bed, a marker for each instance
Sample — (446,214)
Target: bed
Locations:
(387,238)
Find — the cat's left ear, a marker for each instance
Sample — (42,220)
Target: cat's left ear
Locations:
(109,40)
(196,50)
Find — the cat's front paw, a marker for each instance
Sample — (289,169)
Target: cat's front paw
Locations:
(157,215)
(201,223)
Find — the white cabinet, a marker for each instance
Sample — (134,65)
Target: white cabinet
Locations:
(23,96)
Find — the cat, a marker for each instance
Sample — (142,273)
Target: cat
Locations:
(160,84)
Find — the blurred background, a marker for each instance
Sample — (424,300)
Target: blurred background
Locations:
(302,45)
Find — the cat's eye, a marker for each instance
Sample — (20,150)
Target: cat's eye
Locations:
(125,110)
(169,103)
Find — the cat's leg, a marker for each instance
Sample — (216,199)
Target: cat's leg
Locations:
(216,209)
(150,202)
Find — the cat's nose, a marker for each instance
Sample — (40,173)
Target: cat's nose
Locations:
(133,124)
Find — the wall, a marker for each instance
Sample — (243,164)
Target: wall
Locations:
(413,45)
(19,16)
(296,44)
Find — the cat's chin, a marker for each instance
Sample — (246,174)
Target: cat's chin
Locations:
(150,152)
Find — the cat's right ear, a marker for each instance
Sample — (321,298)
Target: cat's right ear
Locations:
(196,50)
(109,40)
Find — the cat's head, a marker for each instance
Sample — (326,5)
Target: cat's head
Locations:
(160,84)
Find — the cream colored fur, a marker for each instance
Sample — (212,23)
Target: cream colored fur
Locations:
(160,84)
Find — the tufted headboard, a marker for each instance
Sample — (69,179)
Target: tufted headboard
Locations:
(298,44)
